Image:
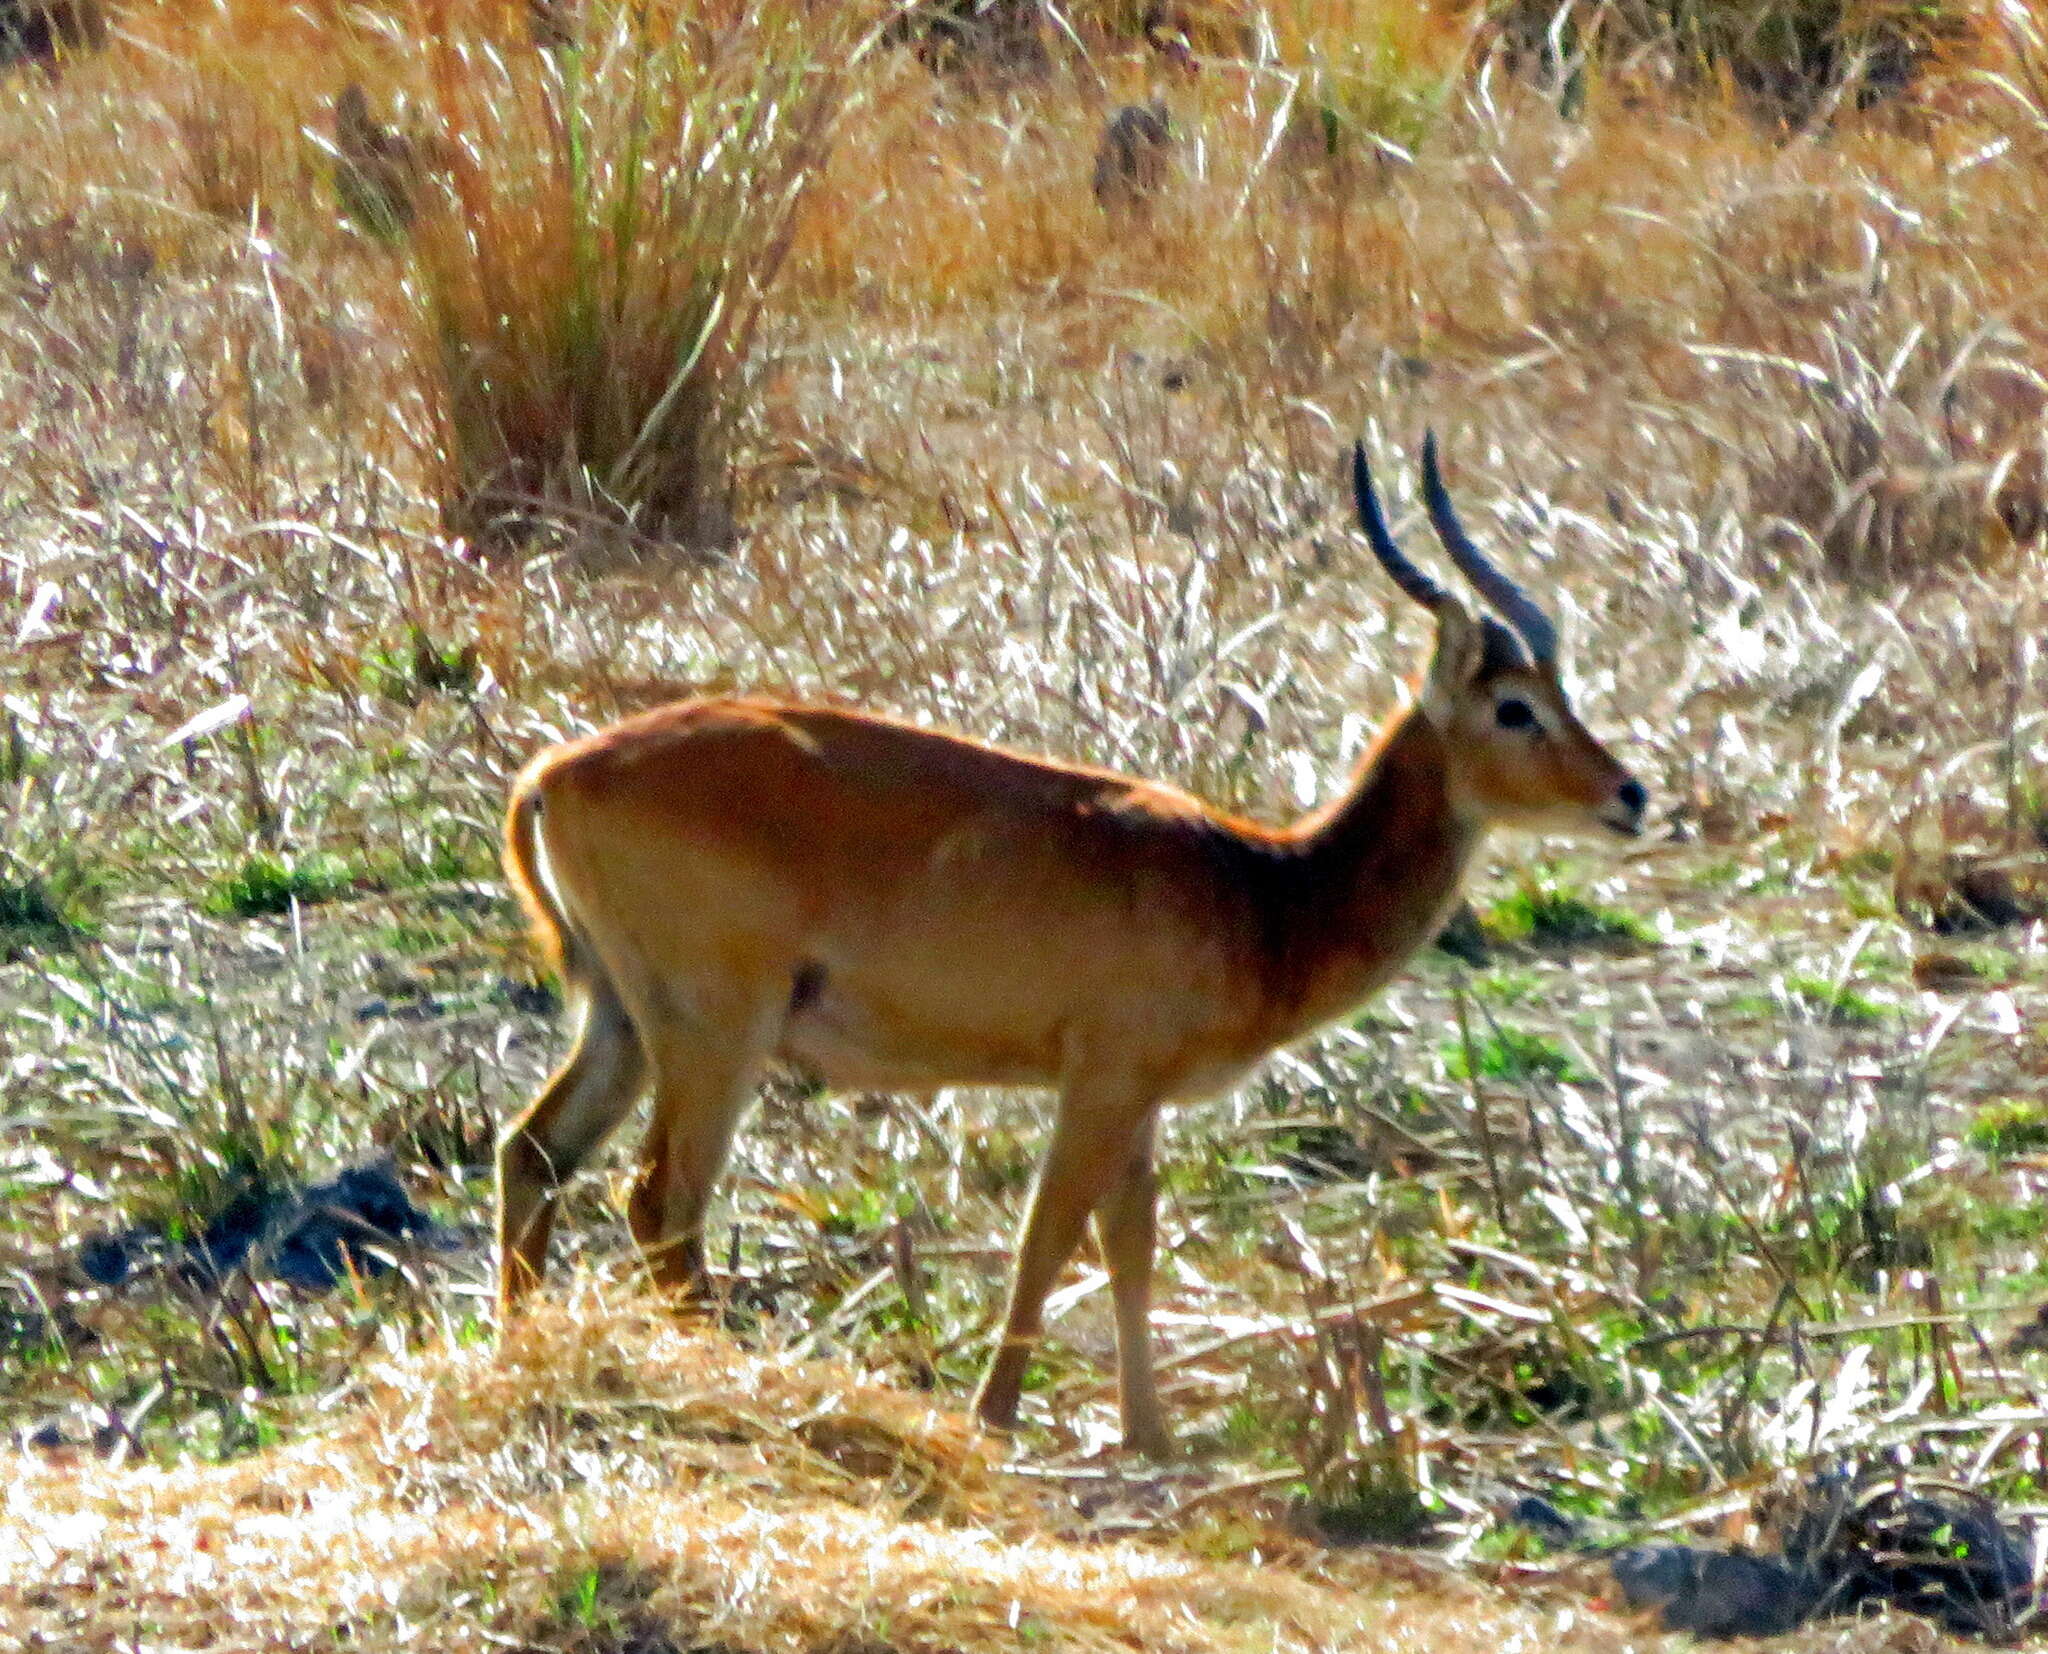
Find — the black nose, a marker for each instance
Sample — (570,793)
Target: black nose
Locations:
(1632,793)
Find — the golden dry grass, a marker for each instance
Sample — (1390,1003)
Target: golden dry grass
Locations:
(607,1481)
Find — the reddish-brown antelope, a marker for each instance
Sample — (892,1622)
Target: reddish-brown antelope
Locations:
(724,883)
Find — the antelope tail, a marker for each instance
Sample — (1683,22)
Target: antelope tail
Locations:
(553,930)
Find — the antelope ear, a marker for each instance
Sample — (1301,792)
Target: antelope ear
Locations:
(1459,661)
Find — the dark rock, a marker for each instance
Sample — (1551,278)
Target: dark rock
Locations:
(1991,891)
(344,1227)
(1545,1520)
(1464,937)
(1979,898)
(534,999)
(423,1008)
(48,31)
(223,1245)
(1714,1593)
(1329,1154)
(108,1260)
(27,1328)
(2031,1337)
(311,1238)
(998,39)
(1941,1553)
(1848,1541)
(1551,1387)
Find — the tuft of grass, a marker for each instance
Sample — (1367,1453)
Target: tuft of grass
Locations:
(1360,74)
(1557,916)
(1380,1506)
(38,911)
(243,77)
(1513,1054)
(265,883)
(421,669)
(592,273)
(1504,986)
(1790,60)
(2011,1126)
(1838,1004)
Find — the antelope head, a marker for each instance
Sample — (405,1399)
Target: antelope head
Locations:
(1516,754)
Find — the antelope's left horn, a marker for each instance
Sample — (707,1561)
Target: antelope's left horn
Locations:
(1395,561)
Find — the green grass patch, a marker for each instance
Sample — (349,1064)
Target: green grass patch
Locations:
(1868,898)
(458,855)
(1507,986)
(266,884)
(1557,916)
(855,1212)
(40,911)
(1841,1005)
(420,669)
(1366,73)
(424,935)
(1380,1506)
(17,758)
(1986,961)
(1997,1223)
(1513,1054)
(2013,1125)
(29,917)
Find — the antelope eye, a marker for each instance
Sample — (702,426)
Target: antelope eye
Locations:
(1513,714)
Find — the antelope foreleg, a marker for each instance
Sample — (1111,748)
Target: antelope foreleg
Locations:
(1090,1155)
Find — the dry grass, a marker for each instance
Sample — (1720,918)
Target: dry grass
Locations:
(611,1483)
(1638,1226)
(593,260)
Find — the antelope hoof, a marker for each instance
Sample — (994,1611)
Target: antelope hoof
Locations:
(696,1301)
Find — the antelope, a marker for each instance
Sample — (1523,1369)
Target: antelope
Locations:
(723,883)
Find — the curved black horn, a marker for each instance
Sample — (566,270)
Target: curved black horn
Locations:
(1516,606)
(1406,575)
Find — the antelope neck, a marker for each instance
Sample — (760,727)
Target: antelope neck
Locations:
(1377,871)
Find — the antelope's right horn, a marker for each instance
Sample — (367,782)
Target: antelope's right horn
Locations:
(1514,605)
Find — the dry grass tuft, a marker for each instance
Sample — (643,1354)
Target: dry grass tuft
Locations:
(610,1481)
(1360,75)
(593,275)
